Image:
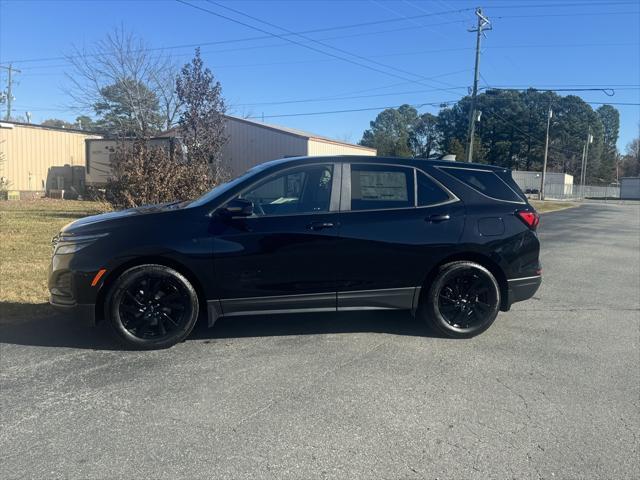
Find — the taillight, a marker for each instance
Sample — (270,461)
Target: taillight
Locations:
(530,219)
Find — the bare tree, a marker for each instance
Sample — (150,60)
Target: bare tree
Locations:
(128,84)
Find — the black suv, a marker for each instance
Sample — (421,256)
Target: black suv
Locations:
(452,243)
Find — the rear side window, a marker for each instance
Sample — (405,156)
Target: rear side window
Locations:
(486,182)
(429,193)
(381,186)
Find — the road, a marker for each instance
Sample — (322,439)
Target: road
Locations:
(552,390)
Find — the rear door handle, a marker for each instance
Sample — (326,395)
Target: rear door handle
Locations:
(438,218)
(320,225)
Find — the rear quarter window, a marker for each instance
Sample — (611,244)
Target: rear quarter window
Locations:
(485,182)
(428,192)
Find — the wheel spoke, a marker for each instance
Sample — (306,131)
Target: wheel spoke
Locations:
(133,298)
(171,296)
(167,317)
(161,328)
(483,305)
(447,298)
(131,310)
(174,306)
(140,324)
(457,317)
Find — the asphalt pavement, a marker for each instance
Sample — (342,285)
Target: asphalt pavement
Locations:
(551,390)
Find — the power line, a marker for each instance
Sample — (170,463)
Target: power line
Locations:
(252,47)
(579,14)
(412,20)
(409,92)
(211,12)
(361,57)
(354,97)
(520,5)
(613,103)
(263,37)
(29,70)
(328,112)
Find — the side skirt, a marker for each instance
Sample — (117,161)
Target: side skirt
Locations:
(384,299)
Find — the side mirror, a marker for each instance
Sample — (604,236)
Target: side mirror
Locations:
(238,207)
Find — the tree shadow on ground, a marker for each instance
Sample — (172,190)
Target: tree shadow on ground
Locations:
(42,326)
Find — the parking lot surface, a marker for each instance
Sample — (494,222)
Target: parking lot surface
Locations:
(551,390)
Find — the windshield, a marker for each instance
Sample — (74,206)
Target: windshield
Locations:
(224,187)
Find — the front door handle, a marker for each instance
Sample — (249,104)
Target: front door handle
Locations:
(438,218)
(320,225)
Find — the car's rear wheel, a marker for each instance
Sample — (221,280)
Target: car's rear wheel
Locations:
(151,307)
(462,301)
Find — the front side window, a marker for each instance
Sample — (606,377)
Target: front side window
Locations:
(376,187)
(300,190)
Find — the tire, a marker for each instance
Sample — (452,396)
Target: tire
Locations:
(462,301)
(151,307)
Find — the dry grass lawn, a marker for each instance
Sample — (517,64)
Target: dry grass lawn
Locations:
(26,229)
(550,205)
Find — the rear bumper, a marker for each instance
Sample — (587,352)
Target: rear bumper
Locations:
(82,313)
(522,288)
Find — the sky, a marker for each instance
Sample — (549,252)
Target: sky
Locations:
(409,51)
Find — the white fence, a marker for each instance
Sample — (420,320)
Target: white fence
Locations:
(560,192)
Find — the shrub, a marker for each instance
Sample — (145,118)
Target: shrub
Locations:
(144,175)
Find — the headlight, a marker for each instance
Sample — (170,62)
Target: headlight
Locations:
(65,244)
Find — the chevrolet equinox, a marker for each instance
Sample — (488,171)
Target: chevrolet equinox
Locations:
(452,243)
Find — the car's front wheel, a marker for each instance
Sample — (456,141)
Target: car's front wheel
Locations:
(462,301)
(151,307)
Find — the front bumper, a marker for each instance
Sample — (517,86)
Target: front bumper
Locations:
(523,288)
(70,289)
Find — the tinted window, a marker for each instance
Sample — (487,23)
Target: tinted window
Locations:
(429,193)
(485,182)
(381,186)
(300,190)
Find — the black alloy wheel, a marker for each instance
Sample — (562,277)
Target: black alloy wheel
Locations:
(152,306)
(463,300)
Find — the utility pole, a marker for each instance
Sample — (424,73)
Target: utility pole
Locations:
(483,24)
(9,94)
(581,179)
(546,154)
(585,158)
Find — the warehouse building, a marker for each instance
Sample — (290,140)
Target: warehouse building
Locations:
(555,184)
(251,143)
(39,158)
(32,154)
(630,188)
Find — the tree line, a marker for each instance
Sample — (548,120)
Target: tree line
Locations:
(134,93)
(511,133)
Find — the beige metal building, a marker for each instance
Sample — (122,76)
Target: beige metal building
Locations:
(251,143)
(31,151)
